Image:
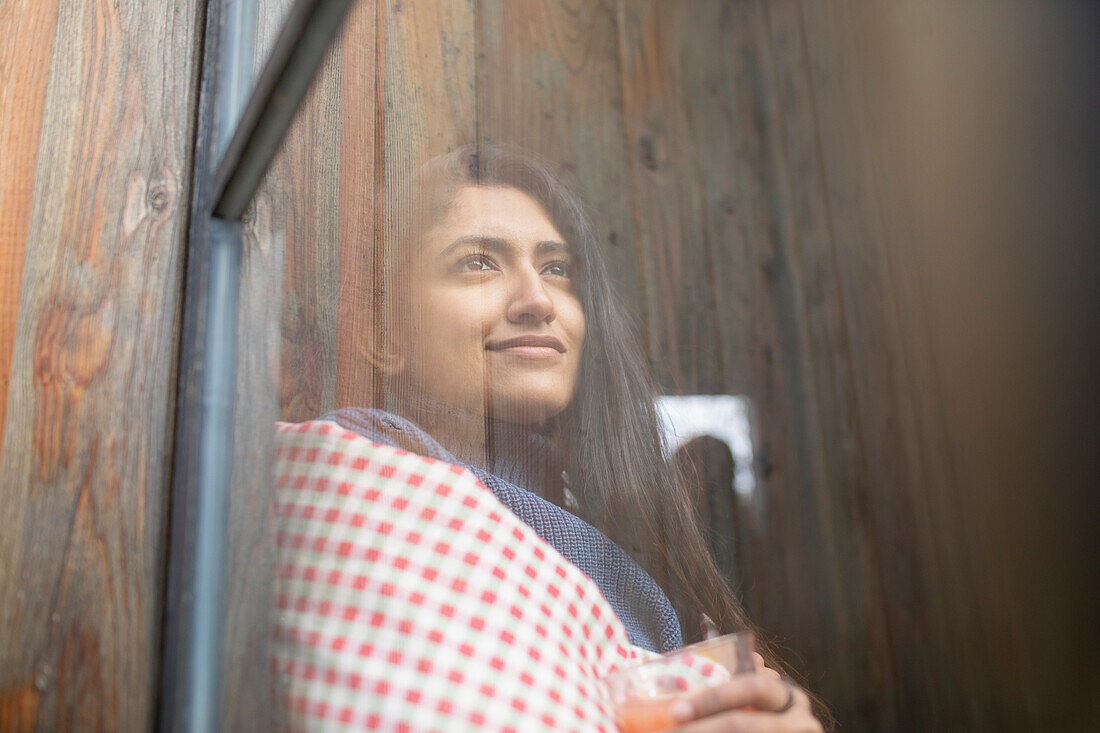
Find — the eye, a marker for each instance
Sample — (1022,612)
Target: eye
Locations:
(476,263)
(558,268)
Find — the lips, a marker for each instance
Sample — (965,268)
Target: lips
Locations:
(527,342)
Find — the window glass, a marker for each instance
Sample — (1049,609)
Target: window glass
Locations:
(501,238)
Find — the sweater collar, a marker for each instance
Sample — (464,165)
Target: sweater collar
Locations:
(522,457)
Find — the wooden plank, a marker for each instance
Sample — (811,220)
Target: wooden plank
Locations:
(944,167)
(428,106)
(247,701)
(667,197)
(847,117)
(834,608)
(1002,284)
(29,34)
(549,83)
(359,285)
(756,327)
(303,186)
(793,592)
(428,84)
(87,439)
(322,221)
(306,205)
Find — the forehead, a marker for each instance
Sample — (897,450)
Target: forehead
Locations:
(493,211)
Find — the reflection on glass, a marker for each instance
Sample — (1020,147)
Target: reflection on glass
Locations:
(510,512)
(725,417)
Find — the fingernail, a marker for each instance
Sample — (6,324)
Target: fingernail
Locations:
(680,710)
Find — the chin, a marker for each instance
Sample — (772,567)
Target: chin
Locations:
(527,409)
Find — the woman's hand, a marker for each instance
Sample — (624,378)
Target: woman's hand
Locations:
(761,702)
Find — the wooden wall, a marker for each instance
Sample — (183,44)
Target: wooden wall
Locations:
(95,145)
(762,176)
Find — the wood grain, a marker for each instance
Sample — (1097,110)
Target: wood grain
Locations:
(667,196)
(1002,191)
(817,446)
(359,287)
(428,84)
(304,188)
(848,110)
(86,444)
(428,108)
(29,30)
(248,684)
(757,324)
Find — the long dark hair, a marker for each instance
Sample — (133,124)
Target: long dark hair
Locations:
(610,433)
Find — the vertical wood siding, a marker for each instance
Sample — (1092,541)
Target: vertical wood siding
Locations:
(739,163)
(359,241)
(738,160)
(100,144)
(29,26)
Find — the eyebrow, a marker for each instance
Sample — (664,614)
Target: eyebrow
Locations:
(496,244)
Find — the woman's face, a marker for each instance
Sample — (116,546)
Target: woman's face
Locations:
(492,321)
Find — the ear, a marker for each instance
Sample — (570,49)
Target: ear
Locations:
(388,356)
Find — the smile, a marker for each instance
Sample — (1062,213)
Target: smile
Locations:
(529,346)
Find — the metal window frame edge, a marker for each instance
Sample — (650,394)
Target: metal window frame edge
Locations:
(245,136)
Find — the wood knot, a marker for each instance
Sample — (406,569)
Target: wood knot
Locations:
(774,268)
(42,679)
(159,197)
(647,152)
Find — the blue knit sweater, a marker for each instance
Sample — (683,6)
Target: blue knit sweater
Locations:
(636,598)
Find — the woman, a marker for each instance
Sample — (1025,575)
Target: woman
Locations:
(505,351)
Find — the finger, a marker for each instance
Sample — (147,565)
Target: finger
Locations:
(759,691)
(802,700)
(741,721)
(762,667)
(799,700)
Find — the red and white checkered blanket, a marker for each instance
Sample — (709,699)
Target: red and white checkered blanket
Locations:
(410,598)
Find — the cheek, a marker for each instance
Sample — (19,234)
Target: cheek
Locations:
(575,328)
(453,326)
(577,324)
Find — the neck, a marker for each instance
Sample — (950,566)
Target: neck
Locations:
(465,437)
(463,433)
(521,454)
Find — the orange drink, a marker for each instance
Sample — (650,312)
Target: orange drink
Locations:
(645,715)
(643,694)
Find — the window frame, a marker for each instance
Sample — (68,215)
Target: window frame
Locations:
(240,125)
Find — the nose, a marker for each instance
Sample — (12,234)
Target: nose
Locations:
(529,299)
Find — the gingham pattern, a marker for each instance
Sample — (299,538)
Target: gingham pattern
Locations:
(409,598)
(640,604)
